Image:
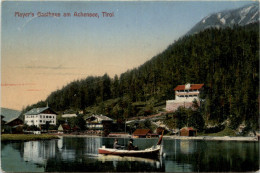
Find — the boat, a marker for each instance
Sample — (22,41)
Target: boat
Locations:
(151,152)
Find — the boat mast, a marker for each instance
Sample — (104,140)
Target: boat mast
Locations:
(125,131)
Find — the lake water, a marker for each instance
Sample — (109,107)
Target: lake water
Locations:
(80,154)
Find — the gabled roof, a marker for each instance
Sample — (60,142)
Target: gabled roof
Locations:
(192,87)
(141,131)
(9,114)
(64,127)
(36,111)
(188,128)
(8,122)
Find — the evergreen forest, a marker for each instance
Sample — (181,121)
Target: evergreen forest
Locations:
(226,61)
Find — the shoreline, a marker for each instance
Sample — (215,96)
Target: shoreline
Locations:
(206,138)
(214,138)
(29,137)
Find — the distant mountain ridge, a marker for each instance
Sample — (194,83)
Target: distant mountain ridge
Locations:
(9,114)
(241,16)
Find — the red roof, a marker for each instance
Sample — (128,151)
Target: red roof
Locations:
(192,87)
(142,132)
(65,127)
(188,128)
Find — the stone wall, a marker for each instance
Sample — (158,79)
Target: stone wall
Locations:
(173,106)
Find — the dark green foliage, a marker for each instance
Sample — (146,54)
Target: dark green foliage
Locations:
(225,60)
(46,126)
(73,122)
(146,124)
(32,128)
(196,120)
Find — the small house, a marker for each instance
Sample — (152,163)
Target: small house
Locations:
(188,131)
(10,116)
(143,133)
(97,122)
(15,125)
(64,128)
(100,124)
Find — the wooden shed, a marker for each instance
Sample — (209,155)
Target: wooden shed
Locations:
(143,133)
(188,131)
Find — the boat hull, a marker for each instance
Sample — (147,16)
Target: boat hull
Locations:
(150,152)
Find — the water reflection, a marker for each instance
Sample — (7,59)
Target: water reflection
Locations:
(39,151)
(81,155)
(187,147)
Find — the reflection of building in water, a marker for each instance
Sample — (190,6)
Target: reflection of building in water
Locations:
(70,148)
(39,151)
(187,147)
(60,143)
(92,144)
(173,166)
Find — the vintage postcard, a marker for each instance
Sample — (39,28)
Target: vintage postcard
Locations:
(129,86)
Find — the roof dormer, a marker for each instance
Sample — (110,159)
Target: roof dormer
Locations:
(187,86)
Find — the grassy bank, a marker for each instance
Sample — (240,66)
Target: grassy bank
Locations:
(27,137)
(226,132)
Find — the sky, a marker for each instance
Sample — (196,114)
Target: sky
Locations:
(42,54)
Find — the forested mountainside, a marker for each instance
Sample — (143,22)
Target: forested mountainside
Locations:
(225,60)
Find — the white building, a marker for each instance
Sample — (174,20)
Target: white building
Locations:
(97,121)
(39,116)
(184,96)
(68,115)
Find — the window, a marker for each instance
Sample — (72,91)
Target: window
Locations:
(43,116)
(40,121)
(40,116)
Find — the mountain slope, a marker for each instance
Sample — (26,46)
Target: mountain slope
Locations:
(242,16)
(225,60)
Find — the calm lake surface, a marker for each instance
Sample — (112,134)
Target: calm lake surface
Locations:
(80,154)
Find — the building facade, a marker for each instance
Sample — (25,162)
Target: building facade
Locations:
(40,116)
(96,122)
(184,96)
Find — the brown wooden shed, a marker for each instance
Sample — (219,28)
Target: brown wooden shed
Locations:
(188,131)
(143,133)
